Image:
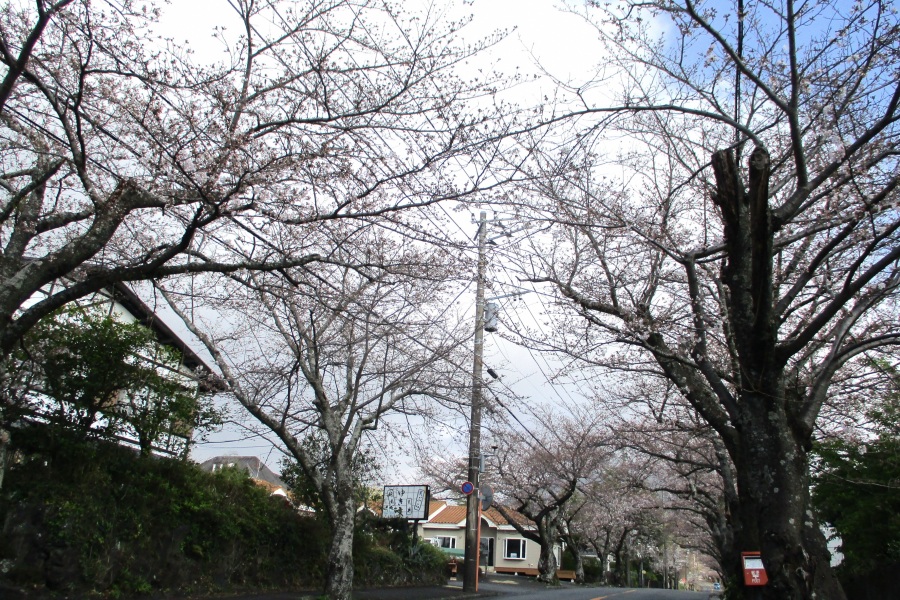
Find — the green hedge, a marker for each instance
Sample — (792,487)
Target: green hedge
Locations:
(80,515)
(88,517)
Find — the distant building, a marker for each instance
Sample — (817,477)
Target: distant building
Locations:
(503,549)
(256,468)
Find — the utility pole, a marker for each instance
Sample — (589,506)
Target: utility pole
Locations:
(473,516)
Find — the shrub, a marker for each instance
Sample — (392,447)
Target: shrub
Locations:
(86,516)
(429,563)
(593,570)
(91,516)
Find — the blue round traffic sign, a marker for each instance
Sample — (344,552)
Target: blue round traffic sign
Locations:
(467,488)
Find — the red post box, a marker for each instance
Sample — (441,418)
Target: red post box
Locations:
(754,571)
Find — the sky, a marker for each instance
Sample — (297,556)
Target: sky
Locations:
(537,30)
(562,42)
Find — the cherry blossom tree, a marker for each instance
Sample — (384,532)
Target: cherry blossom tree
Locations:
(612,511)
(539,474)
(122,159)
(725,217)
(322,358)
(691,465)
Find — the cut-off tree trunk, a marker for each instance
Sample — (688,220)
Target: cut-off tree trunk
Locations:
(770,445)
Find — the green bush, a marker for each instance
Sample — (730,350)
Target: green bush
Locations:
(379,566)
(430,563)
(86,516)
(376,565)
(593,570)
(91,516)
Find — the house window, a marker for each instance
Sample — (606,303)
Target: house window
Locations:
(514,548)
(446,541)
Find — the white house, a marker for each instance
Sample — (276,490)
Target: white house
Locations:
(503,549)
(192,372)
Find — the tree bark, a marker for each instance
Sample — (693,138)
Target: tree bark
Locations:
(547,522)
(339,575)
(619,575)
(603,553)
(770,449)
(4,444)
(579,564)
(574,543)
(775,515)
(547,565)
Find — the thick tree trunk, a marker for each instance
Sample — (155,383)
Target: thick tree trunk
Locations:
(572,541)
(620,573)
(776,517)
(604,558)
(547,564)
(579,564)
(770,447)
(339,576)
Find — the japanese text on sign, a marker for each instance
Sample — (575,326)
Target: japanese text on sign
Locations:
(405,501)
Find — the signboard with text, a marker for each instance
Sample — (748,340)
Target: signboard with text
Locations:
(405,502)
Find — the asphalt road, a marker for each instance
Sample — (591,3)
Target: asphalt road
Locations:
(512,588)
(566,592)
